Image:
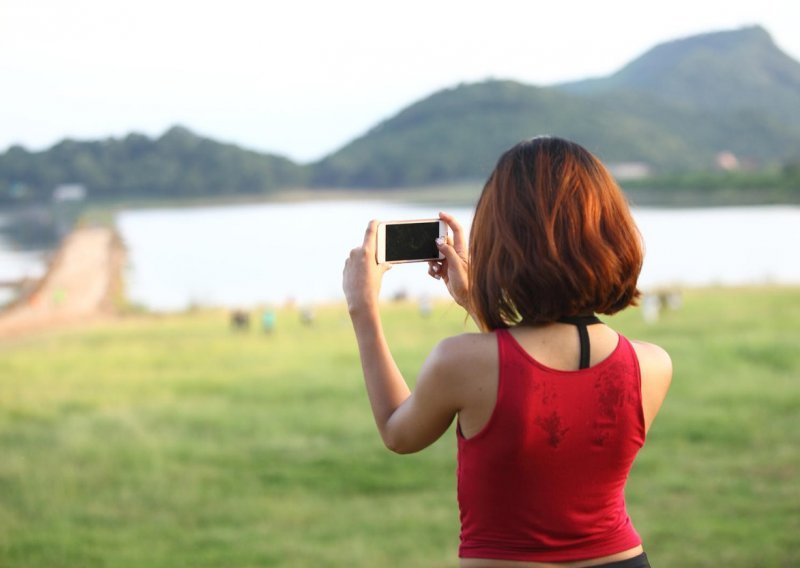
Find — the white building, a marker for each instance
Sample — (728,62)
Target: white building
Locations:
(69,192)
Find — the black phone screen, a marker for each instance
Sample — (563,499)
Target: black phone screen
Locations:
(412,241)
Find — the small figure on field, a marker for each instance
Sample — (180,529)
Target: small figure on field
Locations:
(425,306)
(240,320)
(655,303)
(307,315)
(268,320)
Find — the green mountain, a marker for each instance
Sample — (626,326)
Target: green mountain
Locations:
(729,70)
(458,134)
(178,164)
(674,108)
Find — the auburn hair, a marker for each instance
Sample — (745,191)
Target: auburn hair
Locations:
(552,236)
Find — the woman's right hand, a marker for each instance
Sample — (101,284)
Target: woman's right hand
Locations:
(454,268)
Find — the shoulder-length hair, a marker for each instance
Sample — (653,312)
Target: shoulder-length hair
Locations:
(552,236)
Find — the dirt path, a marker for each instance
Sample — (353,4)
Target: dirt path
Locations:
(80,285)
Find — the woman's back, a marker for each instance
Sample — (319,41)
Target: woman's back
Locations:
(555,346)
(544,478)
(545,448)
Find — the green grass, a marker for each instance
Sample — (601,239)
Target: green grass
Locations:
(172,441)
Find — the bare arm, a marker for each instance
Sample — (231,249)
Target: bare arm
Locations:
(407,422)
(656,370)
(385,385)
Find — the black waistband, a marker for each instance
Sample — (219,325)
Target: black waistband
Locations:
(640,561)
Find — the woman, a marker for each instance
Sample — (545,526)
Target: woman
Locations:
(549,420)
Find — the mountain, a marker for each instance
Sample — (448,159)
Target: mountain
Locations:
(675,108)
(728,70)
(178,164)
(458,134)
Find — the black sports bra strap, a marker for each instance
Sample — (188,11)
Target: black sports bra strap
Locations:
(582,323)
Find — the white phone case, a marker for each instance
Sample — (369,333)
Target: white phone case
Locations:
(380,251)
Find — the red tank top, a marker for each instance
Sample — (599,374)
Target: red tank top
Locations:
(544,479)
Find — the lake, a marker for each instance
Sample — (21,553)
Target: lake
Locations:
(246,255)
(18,264)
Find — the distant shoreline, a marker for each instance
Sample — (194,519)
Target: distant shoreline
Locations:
(464,194)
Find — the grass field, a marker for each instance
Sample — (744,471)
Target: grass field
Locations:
(173,441)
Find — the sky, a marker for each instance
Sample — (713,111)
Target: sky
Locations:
(301,78)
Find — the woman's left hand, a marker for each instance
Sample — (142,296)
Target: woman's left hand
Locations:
(362,275)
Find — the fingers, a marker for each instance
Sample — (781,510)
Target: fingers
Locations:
(436,269)
(370,236)
(361,256)
(459,239)
(448,250)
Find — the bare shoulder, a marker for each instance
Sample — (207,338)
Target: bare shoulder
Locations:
(469,352)
(460,360)
(466,370)
(653,360)
(655,365)
(455,368)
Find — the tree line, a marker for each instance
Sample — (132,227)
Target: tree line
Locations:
(179,164)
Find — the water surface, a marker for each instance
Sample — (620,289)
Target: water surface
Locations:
(269,253)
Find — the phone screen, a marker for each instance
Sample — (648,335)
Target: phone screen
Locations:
(412,241)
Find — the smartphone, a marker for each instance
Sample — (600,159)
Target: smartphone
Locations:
(410,241)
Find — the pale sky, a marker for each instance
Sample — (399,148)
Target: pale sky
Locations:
(301,78)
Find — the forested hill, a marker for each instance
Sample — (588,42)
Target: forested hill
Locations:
(676,108)
(178,164)
(732,70)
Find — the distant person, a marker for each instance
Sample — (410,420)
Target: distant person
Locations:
(268,320)
(240,320)
(425,306)
(552,405)
(307,316)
